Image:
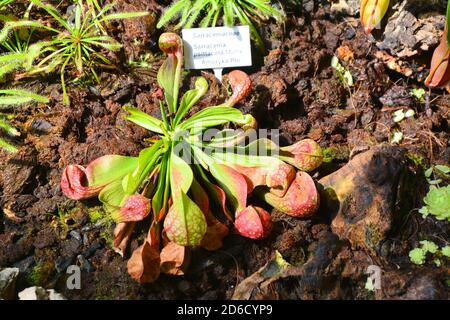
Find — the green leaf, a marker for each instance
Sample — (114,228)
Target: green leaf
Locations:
(232,182)
(418,93)
(10,25)
(448,22)
(372,12)
(437,202)
(214,116)
(113,195)
(434,182)
(7,146)
(147,161)
(124,15)
(428,172)
(17,96)
(190,98)
(181,175)
(106,169)
(185,223)
(446,251)
(424,211)
(53,12)
(429,246)
(417,256)
(170,72)
(143,119)
(159,200)
(215,192)
(443,169)
(8,128)
(172,11)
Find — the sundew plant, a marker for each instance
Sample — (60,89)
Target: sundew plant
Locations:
(206,13)
(75,45)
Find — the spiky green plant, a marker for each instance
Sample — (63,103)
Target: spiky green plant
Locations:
(14,97)
(208,12)
(75,45)
(4,3)
(15,38)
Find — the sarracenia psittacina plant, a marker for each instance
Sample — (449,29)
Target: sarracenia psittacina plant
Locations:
(440,63)
(184,180)
(372,12)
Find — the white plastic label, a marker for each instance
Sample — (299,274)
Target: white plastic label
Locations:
(217,48)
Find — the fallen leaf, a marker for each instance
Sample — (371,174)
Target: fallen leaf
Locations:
(175,259)
(122,234)
(144,264)
(272,271)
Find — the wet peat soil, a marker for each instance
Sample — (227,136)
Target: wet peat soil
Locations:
(295,89)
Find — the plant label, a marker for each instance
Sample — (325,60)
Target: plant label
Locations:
(217,48)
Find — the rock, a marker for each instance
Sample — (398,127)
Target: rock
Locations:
(40,126)
(397,96)
(314,279)
(62,263)
(39,293)
(8,279)
(406,36)
(360,198)
(348,7)
(85,265)
(19,172)
(313,273)
(308,6)
(424,288)
(25,264)
(91,250)
(76,235)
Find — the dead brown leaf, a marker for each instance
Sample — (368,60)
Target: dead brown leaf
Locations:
(122,234)
(143,265)
(175,259)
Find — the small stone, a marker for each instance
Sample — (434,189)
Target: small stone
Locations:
(40,126)
(76,235)
(39,293)
(62,263)
(85,239)
(85,265)
(91,250)
(8,279)
(25,264)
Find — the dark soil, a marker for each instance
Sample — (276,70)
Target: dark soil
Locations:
(295,90)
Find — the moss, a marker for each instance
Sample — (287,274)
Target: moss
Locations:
(41,273)
(107,234)
(298,257)
(373,236)
(332,157)
(417,160)
(96,214)
(335,153)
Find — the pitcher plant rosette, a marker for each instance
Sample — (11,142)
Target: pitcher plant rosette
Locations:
(190,188)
